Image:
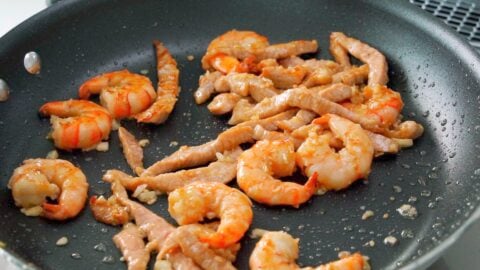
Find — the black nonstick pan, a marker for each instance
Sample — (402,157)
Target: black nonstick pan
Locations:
(436,72)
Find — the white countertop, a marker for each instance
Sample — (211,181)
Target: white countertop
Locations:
(465,254)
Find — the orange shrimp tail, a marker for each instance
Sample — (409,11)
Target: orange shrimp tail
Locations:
(311,184)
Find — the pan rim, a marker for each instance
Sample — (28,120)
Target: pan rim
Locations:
(423,21)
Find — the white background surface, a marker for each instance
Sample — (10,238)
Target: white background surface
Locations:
(465,254)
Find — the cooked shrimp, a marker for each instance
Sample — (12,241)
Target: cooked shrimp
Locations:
(381,105)
(56,179)
(130,242)
(122,93)
(185,238)
(167,88)
(223,52)
(132,151)
(194,202)
(199,155)
(245,84)
(108,211)
(77,123)
(297,97)
(336,169)
(284,78)
(378,67)
(223,171)
(258,166)
(292,48)
(206,86)
(223,103)
(279,250)
(156,228)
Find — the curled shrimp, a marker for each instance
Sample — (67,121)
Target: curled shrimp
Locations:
(122,93)
(77,123)
(336,169)
(279,250)
(340,44)
(194,202)
(56,179)
(225,50)
(258,166)
(239,51)
(167,89)
(381,104)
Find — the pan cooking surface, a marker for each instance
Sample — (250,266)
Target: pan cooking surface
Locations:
(436,74)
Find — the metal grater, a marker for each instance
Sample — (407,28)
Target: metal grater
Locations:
(462,16)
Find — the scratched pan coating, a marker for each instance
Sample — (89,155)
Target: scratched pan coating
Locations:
(436,73)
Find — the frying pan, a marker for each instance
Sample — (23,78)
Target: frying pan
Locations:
(436,73)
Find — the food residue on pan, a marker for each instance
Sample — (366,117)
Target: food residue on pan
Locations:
(62,241)
(408,211)
(390,240)
(327,119)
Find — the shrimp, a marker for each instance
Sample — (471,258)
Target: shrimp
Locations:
(239,50)
(167,88)
(185,238)
(190,204)
(206,86)
(224,170)
(77,123)
(223,103)
(132,151)
(122,93)
(56,179)
(279,250)
(336,170)
(245,84)
(257,167)
(130,242)
(378,66)
(381,105)
(109,211)
(224,51)
(156,228)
